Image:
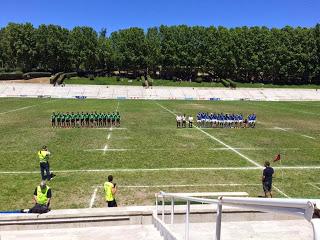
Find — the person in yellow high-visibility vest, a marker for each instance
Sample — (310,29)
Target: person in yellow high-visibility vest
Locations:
(110,190)
(42,196)
(43,156)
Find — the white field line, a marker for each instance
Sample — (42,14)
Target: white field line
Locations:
(287,130)
(313,185)
(191,185)
(219,141)
(253,149)
(282,129)
(167,169)
(187,185)
(93,197)
(117,106)
(106,149)
(122,149)
(110,128)
(108,138)
(19,109)
(307,136)
(279,128)
(281,192)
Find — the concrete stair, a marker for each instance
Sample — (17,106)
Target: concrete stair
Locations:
(135,222)
(255,230)
(128,232)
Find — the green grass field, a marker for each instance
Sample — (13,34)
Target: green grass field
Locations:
(149,153)
(171,83)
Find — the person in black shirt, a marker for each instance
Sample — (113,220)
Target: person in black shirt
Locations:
(42,196)
(267,179)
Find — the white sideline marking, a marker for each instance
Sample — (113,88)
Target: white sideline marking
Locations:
(297,167)
(253,149)
(313,185)
(219,141)
(190,185)
(279,128)
(282,129)
(117,107)
(110,128)
(231,148)
(287,130)
(106,149)
(166,169)
(282,193)
(307,136)
(93,197)
(122,149)
(18,109)
(222,149)
(186,185)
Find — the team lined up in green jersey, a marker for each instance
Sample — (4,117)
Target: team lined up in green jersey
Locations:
(93,119)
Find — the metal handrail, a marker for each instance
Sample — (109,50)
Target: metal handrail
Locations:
(298,207)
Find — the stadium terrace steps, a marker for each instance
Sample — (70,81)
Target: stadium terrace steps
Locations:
(133,215)
(135,223)
(136,232)
(256,230)
(271,230)
(136,92)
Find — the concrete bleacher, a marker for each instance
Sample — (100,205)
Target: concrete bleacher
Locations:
(258,230)
(135,222)
(154,93)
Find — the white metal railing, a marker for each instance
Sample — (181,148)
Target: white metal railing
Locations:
(298,207)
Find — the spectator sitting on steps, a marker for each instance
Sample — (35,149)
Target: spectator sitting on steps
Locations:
(42,196)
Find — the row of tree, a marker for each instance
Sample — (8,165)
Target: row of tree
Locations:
(256,54)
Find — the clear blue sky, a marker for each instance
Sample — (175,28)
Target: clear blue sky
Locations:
(120,14)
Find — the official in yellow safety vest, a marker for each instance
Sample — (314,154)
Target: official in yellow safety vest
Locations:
(42,194)
(110,190)
(43,156)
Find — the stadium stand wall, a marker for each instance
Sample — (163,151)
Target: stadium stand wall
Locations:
(155,93)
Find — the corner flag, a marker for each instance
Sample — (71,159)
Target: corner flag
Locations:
(277,158)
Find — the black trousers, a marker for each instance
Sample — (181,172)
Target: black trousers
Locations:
(45,167)
(112,203)
(38,208)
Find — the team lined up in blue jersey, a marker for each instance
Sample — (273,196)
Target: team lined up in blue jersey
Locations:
(222,120)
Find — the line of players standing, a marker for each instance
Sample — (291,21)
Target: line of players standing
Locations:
(222,120)
(93,119)
(182,121)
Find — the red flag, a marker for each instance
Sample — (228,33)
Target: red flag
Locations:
(277,158)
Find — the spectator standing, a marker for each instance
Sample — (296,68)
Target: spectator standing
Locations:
(110,190)
(267,179)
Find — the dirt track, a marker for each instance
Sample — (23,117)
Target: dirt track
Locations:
(44,80)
